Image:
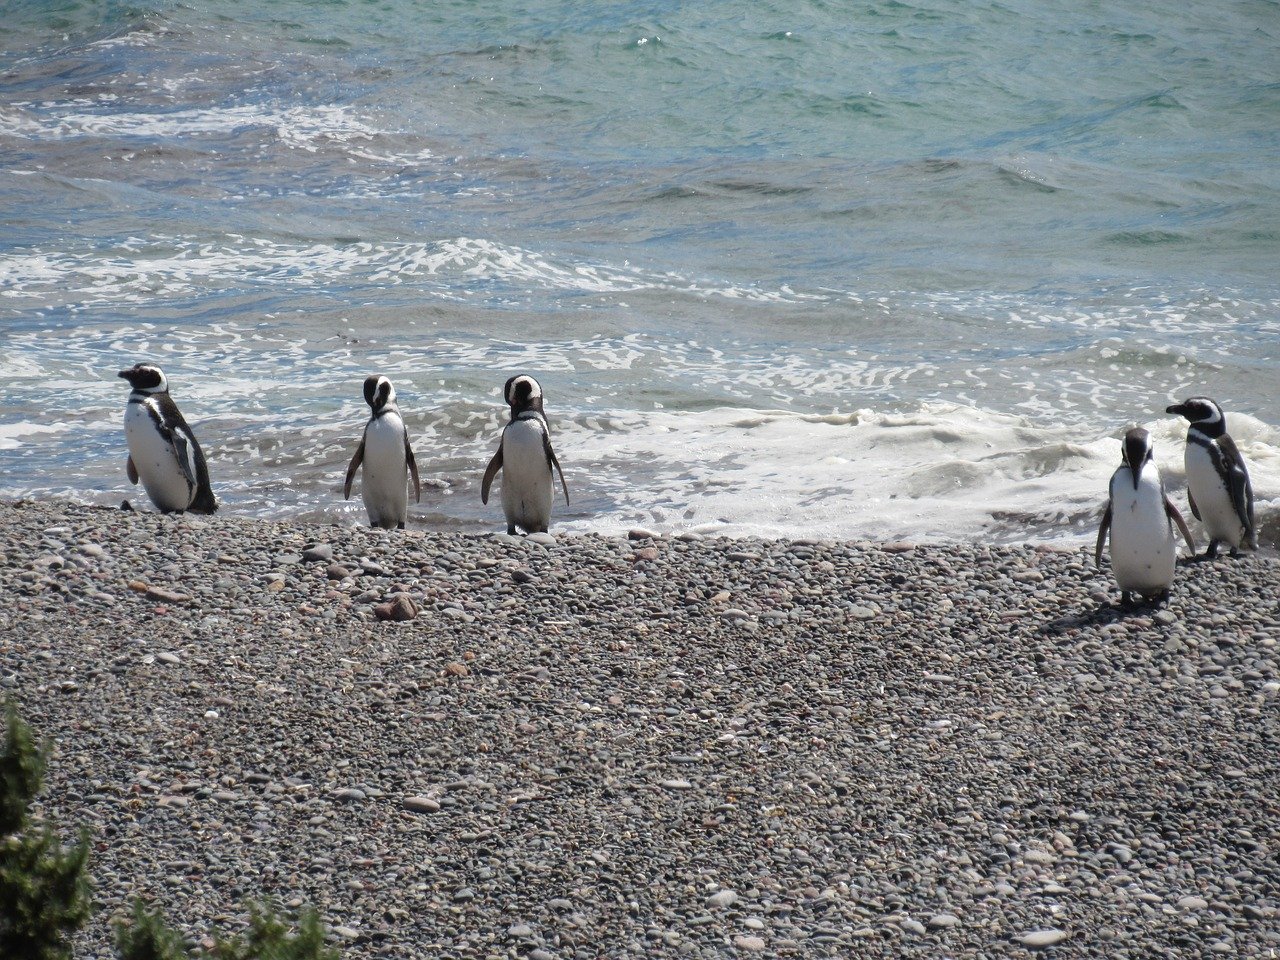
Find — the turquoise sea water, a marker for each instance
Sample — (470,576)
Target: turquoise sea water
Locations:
(813,268)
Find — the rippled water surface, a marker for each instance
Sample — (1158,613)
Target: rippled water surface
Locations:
(813,269)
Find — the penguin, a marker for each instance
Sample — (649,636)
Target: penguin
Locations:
(163,452)
(1140,517)
(526,459)
(1218,486)
(387,457)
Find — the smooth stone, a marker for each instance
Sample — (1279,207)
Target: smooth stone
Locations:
(1042,938)
(749,943)
(722,899)
(914,926)
(943,920)
(546,539)
(421,804)
(1193,903)
(640,533)
(349,794)
(676,785)
(318,553)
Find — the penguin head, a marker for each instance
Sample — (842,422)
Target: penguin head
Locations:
(1205,414)
(523,393)
(378,392)
(1137,452)
(145,378)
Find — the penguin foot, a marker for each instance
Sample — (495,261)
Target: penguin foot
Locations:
(1126,598)
(511,529)
(399,526)
(1212,550)
(126,505)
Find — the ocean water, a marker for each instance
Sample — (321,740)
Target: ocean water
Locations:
(823,269)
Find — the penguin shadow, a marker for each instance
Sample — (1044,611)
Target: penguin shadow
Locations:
(1107,612)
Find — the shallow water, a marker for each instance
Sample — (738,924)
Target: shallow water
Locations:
(815,269)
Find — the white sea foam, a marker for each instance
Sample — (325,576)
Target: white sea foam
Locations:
(941,472)
(139,270)
(15,434)
(304,127)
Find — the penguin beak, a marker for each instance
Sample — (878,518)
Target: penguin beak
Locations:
(124,374)
(1177,408)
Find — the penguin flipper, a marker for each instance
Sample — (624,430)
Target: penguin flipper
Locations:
(1172,512)
(1238,484)
(184,449)
(1195,511)
(413,469)
(490,472)
(131,471)
(1102,535)
(352,467)
(553,462)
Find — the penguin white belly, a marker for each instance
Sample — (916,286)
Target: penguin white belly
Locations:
(156,461)
(1212,497)
(1143,551)
(526,477)
(384,481)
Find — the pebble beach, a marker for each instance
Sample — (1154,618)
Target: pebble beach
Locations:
(587,747)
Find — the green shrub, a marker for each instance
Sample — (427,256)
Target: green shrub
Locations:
(44,889)
(268,938)
(148,937)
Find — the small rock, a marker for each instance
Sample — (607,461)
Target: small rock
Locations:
(1165,617)
(676,785)
(336,571)
(913,926)
(457,670)
(751,944)
(722,898)
(1042,938)
(521,575)
(167,657)
(942,921)
(421,805)
(546,539)
(400,609)
(318,553)
(347,933)
(350,794)
(640,533)
(1193,903)
(167,596)
(862,613)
